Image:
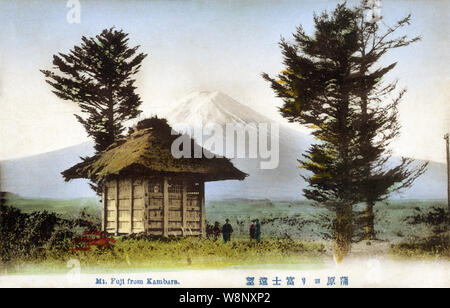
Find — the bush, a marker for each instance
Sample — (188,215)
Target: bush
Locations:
(91,238)
(435,243)
(28,236)
(432,247)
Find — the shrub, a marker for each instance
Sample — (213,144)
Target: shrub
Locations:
(29,236)
(91,238)
(435,243)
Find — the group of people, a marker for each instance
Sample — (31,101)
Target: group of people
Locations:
(255,230)
(227,229)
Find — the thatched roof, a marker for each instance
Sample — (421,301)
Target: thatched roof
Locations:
(146,151)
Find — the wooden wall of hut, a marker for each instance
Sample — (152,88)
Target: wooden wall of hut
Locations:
(160,207)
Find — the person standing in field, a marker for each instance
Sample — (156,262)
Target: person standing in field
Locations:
(257,231)
(216,231)
(252,231)
(227,229)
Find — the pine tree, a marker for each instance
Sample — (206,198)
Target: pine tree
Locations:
(98,76)
(316,88)
(379,123)
(330,84)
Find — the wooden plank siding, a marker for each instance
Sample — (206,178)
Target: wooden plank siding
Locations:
(184,209)
(146,204)
(203,209)
(160,207)
(131,205)
(138,206)
(116,231)
(155,201)
(104,203)
(165,224)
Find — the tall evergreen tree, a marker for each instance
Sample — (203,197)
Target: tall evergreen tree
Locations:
(331,84)
(98,76)
(316,88)
(378,120)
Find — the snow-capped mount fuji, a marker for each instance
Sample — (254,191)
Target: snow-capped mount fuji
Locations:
(204,107)
(283,182)
(39,176)
(199,109)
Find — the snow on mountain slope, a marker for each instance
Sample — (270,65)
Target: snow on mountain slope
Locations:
(39,176)
(283,182)
(201,108)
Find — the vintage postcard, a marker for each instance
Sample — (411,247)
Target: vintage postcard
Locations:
(224,144)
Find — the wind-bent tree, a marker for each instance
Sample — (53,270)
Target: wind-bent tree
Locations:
(98,76)
(378,120)
(316,88)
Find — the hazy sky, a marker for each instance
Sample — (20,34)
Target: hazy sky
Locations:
(203,45)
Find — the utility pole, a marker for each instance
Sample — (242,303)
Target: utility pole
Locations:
(448,171)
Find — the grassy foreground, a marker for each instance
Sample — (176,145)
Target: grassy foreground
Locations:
(141,254)
(421,251)
(35,241)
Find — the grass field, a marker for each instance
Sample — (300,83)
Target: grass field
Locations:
(68,208)
(293,233)
(279,219)
(300,219)
(189,253)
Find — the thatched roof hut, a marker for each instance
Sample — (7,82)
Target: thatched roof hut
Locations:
(146,189)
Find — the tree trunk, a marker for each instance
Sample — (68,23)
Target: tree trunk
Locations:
(446,137)
(342,232)
(368,216)
(368,220)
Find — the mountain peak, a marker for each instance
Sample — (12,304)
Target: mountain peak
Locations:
(204,94)
(203,107)
(206,98)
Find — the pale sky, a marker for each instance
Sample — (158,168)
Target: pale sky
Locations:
(203,45)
